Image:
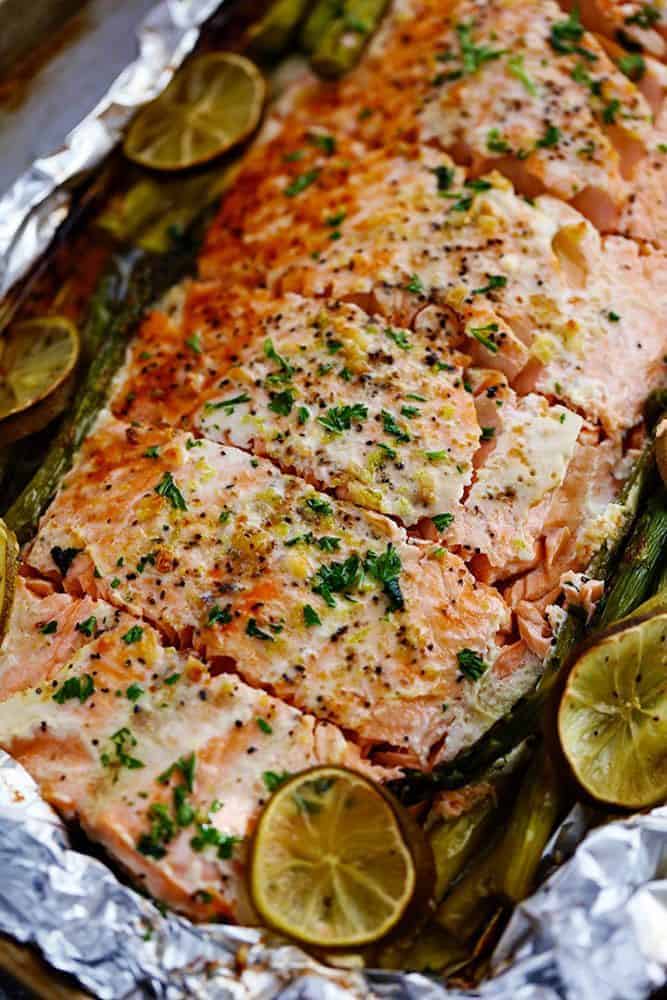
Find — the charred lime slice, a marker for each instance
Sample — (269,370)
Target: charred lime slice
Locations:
(212,104)
(612,719)
(331,864)
(36,374)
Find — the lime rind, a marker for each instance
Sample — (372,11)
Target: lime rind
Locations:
(613,716)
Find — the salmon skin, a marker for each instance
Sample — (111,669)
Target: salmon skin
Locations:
(162,763)
(350,473)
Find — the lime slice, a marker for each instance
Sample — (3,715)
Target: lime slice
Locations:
(330,862)
(612,719)
(9,552)
(212,104)
(37,362)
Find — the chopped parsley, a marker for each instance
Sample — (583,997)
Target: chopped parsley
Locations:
(386,569)
(168,489)
(134,692)
(310,616)
(474,56)
(328,543)
(123,743)
(647,17)
(495,142)
(285,371)
(219,616)
(390,426)
(172,678)
(399,337)
(210,836)
(319,506)
(613,317)
(273,780)
(517,69)
(253,630)
(340,418)
(194,343)
(444,177)
(436,456)
(152,452)
(49,627)
(228,404)
(633,65)
(79,688)
(388,452)
(415,395)
(337,578)
(88,626)
(325,142)
(494,281)
(610,111)
(550,138)
(264,726)
(471,664)
(442,521)
(481,334)
(487,433)
(63,558)
(282,402)
(186,765)
(302,182)
(566,35)
(415,285)
(410,411)
(144,561)
(132,635)
(302,414)
(336,219)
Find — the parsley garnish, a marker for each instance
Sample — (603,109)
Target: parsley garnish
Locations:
(310,616)
(471,664)
(474,56)
(301,182)
(444,176)
(399,337)
(550,138)
(495,142)
(337,578)
(302,414)
(325,142)
(633,65)
(282,402)
(480,333)
(194,343)
(264,726)
(49,627)
(75,687)
(228,404)
(390,426)
(340,418)
(253,629)
(319,506)
(219,616)
(487,433)
(123,741)
(415,285)
(186,765)
(613,317)
(610,111)
(386,569)
(517,69)
(286,370)
(273,780)
(494,281)
(144,561)
(152,452)
(389,453)
(167,488)
(88,626)
(566,35)
(336,219)
(647,17)
(134,692)
(410,411)
(442,521)
(133,634)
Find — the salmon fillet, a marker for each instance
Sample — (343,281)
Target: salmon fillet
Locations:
(327,606)
(639,25)
(529,289)
(514,85)
(163,764)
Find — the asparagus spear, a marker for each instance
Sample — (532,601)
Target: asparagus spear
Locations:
(640,563)
(318,21)
(271,35)
(524,719)
(133,282)
(341,45)
(508,870)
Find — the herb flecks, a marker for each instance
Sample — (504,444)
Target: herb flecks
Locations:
(168,489)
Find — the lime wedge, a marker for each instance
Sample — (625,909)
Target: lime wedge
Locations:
(612,719)
(36,374)
(212,104)
(9,552)
(331,865)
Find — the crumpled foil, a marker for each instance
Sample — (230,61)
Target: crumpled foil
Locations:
(595,930)
(38,201)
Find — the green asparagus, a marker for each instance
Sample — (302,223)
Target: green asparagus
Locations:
(271,35)
(343,41)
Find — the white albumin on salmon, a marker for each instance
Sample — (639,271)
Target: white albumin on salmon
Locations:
(163,764)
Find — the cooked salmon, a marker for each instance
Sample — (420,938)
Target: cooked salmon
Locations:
(327,606)
(639,26)
(163,764)
(519,86)
(530,289)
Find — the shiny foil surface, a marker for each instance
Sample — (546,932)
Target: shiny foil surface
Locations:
(595,930)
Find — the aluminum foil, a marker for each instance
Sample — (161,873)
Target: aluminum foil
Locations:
(38,202)
(596,930)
